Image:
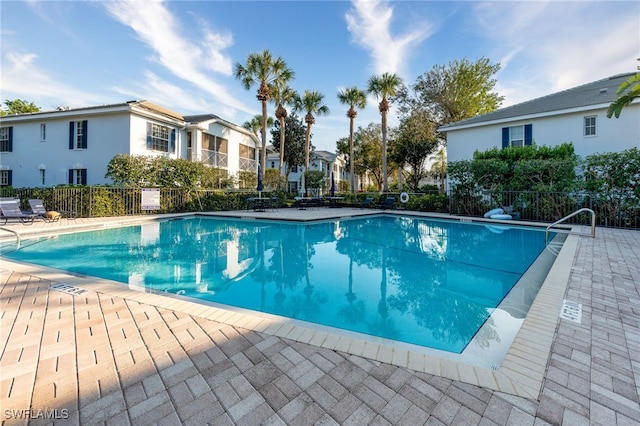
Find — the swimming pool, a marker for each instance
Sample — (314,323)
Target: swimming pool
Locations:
(432,283)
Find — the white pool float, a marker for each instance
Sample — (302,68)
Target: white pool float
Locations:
(493,212)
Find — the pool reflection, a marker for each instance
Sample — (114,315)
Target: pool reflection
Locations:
(427,282)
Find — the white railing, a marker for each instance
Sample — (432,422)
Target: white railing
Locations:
(213,158)
(248,165)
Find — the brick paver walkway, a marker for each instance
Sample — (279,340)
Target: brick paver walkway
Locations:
(95,358)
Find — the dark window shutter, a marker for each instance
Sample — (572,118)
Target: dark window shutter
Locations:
(528,134)
(505,137)
(72,127)
(172,141)
(85,132)
(149,132)
(70,176)
(10,148)
(83,176)
(10,177)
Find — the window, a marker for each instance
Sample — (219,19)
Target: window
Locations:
(517,136)
(78,134)
(590,126)
(247,152)
(77,176)
(43,176)
(6,139)
(43,132)
(215,143)
(160,138)
(6,177)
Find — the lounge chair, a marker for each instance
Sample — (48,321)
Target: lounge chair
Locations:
(367,203)
(37,207)
(389,203)
(10,209)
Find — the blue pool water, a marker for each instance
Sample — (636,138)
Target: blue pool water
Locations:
(427,282)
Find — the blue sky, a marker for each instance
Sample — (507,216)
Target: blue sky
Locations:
(180,54)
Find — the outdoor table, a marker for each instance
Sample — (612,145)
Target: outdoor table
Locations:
(260,204)
(335,201)
(302,202)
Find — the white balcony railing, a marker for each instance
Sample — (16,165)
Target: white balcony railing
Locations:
(214,158)
(248,165)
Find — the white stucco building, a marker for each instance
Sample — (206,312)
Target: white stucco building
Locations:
(74,146)
(577,115)
(323,161)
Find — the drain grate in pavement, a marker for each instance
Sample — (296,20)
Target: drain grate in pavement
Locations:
(571,311)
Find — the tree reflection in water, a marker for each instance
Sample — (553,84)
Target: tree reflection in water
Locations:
(422,281)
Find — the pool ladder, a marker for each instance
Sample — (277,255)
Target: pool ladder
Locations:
(593,223)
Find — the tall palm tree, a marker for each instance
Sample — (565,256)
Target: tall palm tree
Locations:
(312,103)
(384,86)
(353,97)
(282,96)
(266,71)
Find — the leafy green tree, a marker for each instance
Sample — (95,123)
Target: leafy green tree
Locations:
(527,168)
(129,170)
(627,92)
(283,96)
(215,178)
(384,87)
(415,141)
(18,106)
(295,139)
(311,102)
(613,179)
(171,172)
(355,98)
(462,89)
(315,180)
(368,152)
(617,172)
(273,179)
(264,70)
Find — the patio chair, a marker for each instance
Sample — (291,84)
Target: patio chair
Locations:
(37,207)
(10,209)
(389,203)
(274,203)
(367,203)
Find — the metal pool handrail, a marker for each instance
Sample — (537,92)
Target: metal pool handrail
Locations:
(593,223)
(16,234)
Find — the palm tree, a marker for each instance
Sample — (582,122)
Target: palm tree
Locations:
(267,71)
(311,103)
(255,124)
(353,97)
(627,92)
(281,96)
(439,167)
(384,86)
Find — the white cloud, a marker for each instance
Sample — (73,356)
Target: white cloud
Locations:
(156,26)
(545,47)
(18,68)
(369,23)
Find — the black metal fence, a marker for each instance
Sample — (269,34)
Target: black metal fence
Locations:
(612,210)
